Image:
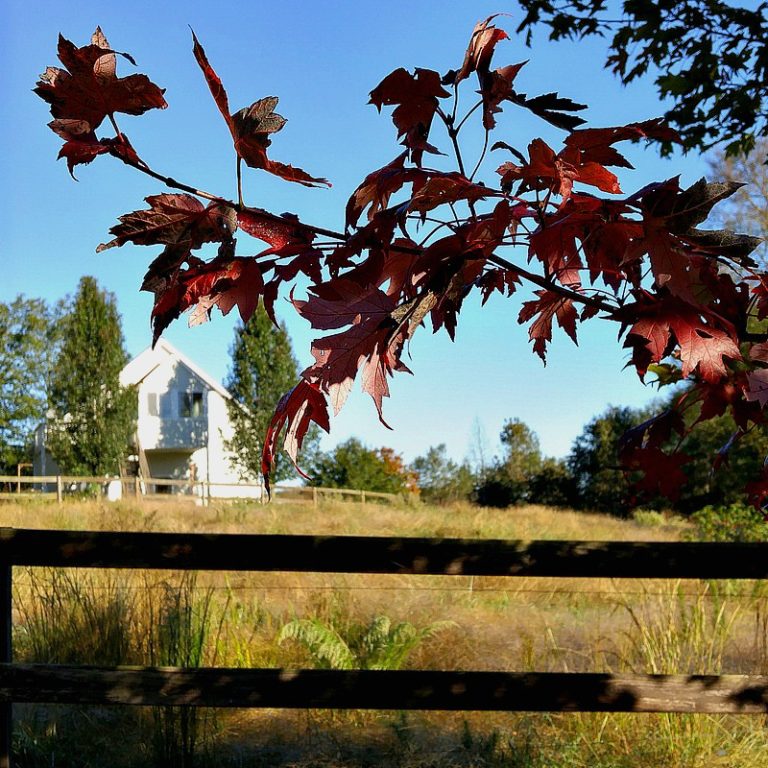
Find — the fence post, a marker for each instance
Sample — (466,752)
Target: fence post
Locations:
(362,499)
(59,489)
(6,656)
(314,496)
(136,487)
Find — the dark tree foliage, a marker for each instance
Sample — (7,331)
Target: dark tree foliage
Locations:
(713,475)
(709,57)
(92,415)
(601,483)
(522,474)
(263,369)
(724,485)
(27,342)
(353,465)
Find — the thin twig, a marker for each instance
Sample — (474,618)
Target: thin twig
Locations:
(466,117)
(240,180)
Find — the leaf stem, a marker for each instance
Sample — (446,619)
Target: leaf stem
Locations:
(482,155)
(112,120)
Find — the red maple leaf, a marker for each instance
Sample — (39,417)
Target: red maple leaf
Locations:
(446,189)
(662,473)
(380,366)
(661,324)
(547,307)
(416,99)
(89,90)
(757,382)
(595,144)
(380,185)
(496,87)
(297,409)
(252,126)
(174,219)
(502,280)
(342,302)
(80,146)
(760,292)
(557,172)
(480,50)
(338,358)
(285,234)
(222,282)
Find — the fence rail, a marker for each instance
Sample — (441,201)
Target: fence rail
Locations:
(57,486)
(502,691)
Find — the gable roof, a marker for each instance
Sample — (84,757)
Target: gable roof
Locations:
(147,361)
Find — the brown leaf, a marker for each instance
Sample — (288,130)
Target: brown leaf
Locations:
(89,90)
(174,219)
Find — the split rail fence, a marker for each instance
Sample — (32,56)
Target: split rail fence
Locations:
(367,689)
(59,486)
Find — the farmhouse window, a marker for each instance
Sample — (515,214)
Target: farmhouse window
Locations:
(152,405)
(190,404)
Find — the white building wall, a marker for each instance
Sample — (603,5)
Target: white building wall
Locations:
(221,472)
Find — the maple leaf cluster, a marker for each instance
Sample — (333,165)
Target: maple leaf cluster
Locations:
(689,304)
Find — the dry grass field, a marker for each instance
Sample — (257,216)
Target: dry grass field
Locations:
(275,620)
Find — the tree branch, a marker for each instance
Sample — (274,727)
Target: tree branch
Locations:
(549,285)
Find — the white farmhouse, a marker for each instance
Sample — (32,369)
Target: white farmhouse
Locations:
(182,427)
(183,424)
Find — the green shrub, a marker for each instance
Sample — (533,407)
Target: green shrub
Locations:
(734,522)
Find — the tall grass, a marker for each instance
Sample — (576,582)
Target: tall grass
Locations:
(268,620)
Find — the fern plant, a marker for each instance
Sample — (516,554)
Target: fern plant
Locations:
(379,644)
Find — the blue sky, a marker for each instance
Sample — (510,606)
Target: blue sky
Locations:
(321,59)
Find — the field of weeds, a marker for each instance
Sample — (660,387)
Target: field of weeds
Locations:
(348,621)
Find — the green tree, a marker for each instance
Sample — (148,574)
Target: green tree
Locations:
(552,484)
(711,58)
(594,461)
(353,465)
(442,480)
(707,486)
(92,416)
(263,370)
(505,482)
(27,341)
(522,474)
(522,457)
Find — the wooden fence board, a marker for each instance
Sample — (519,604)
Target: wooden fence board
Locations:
(361,554)
(369,689)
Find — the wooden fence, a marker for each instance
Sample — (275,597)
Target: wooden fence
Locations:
(59,486)
(366,689)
